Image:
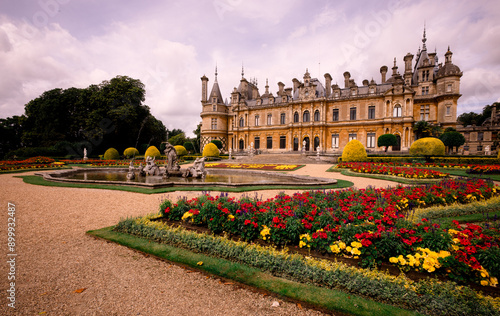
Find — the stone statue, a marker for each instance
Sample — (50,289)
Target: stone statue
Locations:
(171,153)
(197,170)
(131,168)
(85,154)
(142,173)
(151,168)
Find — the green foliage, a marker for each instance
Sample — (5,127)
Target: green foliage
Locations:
(472,118)
(130,152)
(452,139)
(104,115)
(210,150)
(428,146)
(217,143)
(354,151)
(387,140)
(181,151)
(178,139)
(426,129)
(153,152)
(111,154)
(189,146)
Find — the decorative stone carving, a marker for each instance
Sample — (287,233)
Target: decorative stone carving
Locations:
(131,169)
(151,168)
(172,163)
(197,170)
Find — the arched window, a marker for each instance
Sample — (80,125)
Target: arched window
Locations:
(306,117)
(316,116)
(296,117)
(242,122)
(397,111)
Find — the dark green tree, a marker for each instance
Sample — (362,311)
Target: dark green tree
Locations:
(452,139)
(425,129)
(10,134)
(178,139)
(189,146)
(217,143)
(387,140)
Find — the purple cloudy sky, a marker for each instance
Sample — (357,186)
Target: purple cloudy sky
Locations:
(169,45)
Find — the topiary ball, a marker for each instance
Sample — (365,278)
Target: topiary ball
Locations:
(111,154)
(354,151)
(153,152)
(210,150)
(130,152)
(181,150)
(427,146)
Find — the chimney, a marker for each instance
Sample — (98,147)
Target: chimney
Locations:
(347,76)
(204,88)
(328,84)
(296,84)
(383,72)
(281,86)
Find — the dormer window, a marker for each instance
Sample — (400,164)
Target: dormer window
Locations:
(353,92)
(214,100)
(336,94)
(372,90)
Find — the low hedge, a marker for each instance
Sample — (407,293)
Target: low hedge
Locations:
(429,296)
(437,159)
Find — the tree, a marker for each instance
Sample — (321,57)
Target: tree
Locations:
(197,133)
(452,139)
(217,143)
(111,114)
(178,139)
(470,118)
(387,140)
(425,129)
(189,146)
(10,134)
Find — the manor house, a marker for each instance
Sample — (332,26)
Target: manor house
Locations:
(311,113)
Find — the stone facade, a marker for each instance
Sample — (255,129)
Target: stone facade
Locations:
(483,139)
(311,114)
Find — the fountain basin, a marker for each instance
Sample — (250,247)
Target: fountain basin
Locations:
(214,178)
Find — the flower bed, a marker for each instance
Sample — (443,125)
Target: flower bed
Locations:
(28,164)
(391,170)
(122,163)
(484,169)
(368,224)
(268,166)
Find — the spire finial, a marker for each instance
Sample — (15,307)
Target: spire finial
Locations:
(215,71)
(424,39)
(242,71)
(394,61)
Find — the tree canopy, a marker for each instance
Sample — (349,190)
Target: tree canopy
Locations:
(387,140)
(110,114)
(472,118)
(452,139)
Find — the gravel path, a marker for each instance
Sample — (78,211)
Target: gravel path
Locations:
(55,258)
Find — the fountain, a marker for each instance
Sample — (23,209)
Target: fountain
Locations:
(171,175)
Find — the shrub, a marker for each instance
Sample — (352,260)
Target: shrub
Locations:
(387,140)
(354,151)
(210,150)
(152,151)
(189,146)
(217,143)
(130,152)
(181,150)
(111,154)
(427,146)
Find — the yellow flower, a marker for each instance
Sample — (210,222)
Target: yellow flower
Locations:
(356,244)
(334,248)
(355,251)
(265,232)
(186,215)
(230,217)
(484,282)
(493,281)
(342,245)
(200,263)
(348,248)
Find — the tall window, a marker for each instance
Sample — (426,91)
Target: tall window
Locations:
(448,110)
(256,142)
(296,117)
(480,136)
(370,140)
(316,116)
(335,140)
(306,117)
(448,88)
(282,118)
(425,90)
(335,116)
(282,142)
(352,114)
(397,111)
(269,119)
(352,136)
(214,107)
(242,122)
(424,112)
(214,123)
(256,120)
(371,112)
(269,142)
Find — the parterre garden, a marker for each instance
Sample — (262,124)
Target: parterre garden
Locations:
(306,236)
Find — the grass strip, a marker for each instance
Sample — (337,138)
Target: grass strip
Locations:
(38,180)
(32,169)
(331,300)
